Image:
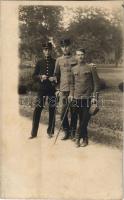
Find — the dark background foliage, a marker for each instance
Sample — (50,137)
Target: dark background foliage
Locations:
(91,28)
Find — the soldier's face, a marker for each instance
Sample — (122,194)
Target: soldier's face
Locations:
(65,49)
(47,52)
(80,56)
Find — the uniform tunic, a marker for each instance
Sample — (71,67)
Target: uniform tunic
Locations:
(47,88)
(84,81)
(46,67)
(84,85)
(63,71)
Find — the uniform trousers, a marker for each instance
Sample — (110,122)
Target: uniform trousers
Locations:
(40,103)
(68,125)
(81,110)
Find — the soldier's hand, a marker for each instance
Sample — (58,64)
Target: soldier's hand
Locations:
(57,93)
(92,64)
(52,78)
(70,98)
(93,101)
(43,77)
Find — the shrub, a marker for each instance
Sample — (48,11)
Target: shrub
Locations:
(121,86)
(103,84)
(22,89)
(35,87)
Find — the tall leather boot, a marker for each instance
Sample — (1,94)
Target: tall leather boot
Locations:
(66,135)
(78,143)
(85,142)
(73,135)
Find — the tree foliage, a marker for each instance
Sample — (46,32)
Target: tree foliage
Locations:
(92,28)
(98,32)
(37,24)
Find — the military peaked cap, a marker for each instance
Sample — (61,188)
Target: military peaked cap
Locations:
(65,42)
(81,49)
(47,45)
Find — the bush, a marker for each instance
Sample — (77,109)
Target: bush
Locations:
(121,86)
(27,86)
(22,89)
(103,84)
(35,87)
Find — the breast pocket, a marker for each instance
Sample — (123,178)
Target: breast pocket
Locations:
(76,74)
(66,69)
(85,75)
(87,72)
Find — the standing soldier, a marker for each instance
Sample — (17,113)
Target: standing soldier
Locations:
(63,75)
(84,88)
(44,75)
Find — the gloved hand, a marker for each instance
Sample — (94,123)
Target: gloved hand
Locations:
(51,78)
(92,64)
(93,101)
(44,77)
(57,93)
(70,98)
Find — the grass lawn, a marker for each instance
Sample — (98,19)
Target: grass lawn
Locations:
(110,115)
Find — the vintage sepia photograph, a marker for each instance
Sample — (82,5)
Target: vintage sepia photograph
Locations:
(62,100)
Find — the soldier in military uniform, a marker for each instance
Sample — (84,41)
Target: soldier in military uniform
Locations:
(62,72)
(44,75)
(84,90)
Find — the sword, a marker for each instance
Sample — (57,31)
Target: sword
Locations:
(61,123)
(57,96)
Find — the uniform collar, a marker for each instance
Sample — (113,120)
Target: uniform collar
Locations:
(47,58)
(67,56)
(82,64)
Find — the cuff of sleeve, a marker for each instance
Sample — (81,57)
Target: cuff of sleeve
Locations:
(55,79)
(40,78)
(71,94)
(95,95)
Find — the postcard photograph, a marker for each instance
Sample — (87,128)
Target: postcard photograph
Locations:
(62,100)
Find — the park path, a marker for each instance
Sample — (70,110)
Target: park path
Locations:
(39,169)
